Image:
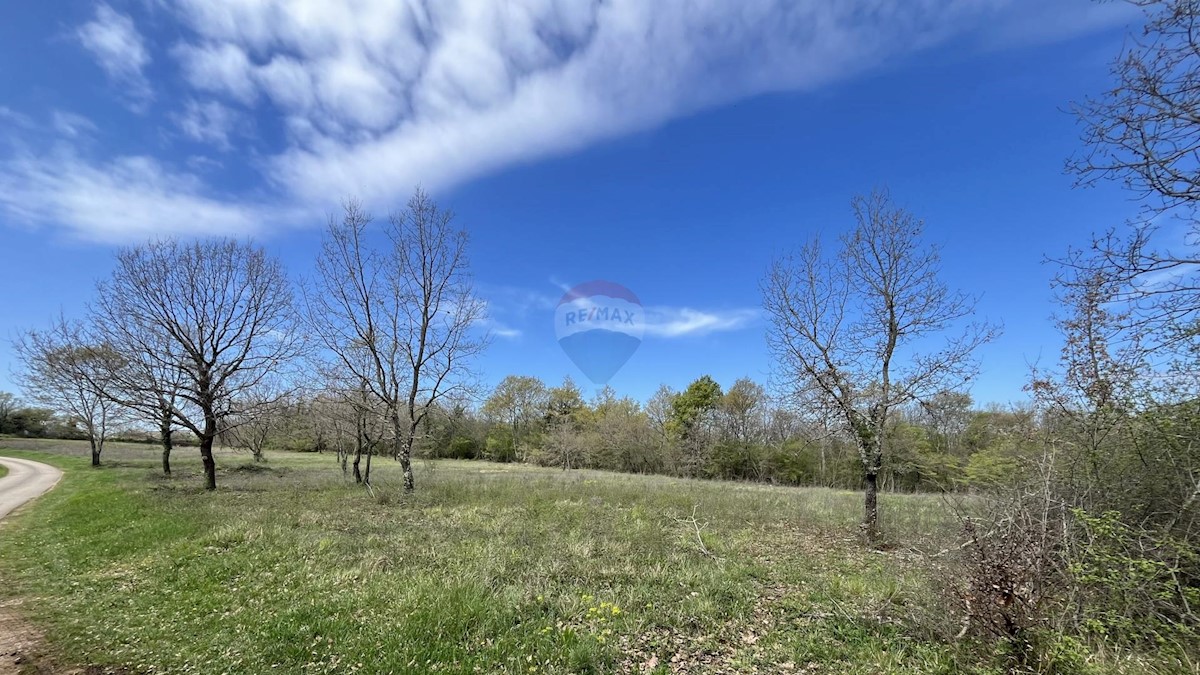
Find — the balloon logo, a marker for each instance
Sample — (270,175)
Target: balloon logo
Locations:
(599,325)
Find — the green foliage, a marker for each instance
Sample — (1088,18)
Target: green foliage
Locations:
(564,405)
(991,469)
(462,447)
(1136,586)
(732,460)
(791,464)
(519,402)
(35,423)
(690,406)
(500,445)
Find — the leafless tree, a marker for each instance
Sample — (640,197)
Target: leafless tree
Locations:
(352,419)
(849,331)
(1134,298)
(742,411)
(252,430)
(399,319)
(1145,133)
(215,316)
(565,445)
(63,369)
(1145,130)
(147,384)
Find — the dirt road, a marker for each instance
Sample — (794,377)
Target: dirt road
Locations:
(25,480)
(19,641)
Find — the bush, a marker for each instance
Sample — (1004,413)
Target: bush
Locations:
(461,447)
(1135,586)
(1007,577)
(732,460)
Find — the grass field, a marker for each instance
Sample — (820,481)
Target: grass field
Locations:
(486,568)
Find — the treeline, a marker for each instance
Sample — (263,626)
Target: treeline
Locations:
(25,421)
(17,419)
(703,431)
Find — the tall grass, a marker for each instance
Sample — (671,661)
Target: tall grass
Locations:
(486,568)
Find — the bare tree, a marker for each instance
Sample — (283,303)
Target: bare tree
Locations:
(1145,130)
(742,411)
(398,320)
(848,330)
(369,428)
(565,445)
(252,430)
(1135,299)
(215,316)
(147,384)
(64,370)
(354,415)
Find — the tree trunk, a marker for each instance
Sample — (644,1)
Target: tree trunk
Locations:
(358,447)
(165,436)
(406,464)
(402,449)
(367,472)
(95,448)
(871,507)
(210,466)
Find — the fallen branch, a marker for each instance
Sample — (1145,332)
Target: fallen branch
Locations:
(697,527)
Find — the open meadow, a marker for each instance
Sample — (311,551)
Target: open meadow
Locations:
(486,568)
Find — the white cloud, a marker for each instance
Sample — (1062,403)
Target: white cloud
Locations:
(127,198)
(375,96)
(489,323)
(207,122)
(71,125)
(672,322)
(381,95)
(119,49)
(217,67)
(16,120)
(1052,21)
(524,305)
(504,331)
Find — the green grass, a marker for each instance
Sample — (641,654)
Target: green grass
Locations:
(486,568)
(3,471)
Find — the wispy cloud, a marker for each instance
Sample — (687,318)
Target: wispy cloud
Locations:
(71,125)
(662,321)
(128,197)
(675,322)
(518,302)
(375,96)
(505,332)
(119,49)
(12,118)
(493,325)
(208,122)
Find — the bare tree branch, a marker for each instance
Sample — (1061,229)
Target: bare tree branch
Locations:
(850,332)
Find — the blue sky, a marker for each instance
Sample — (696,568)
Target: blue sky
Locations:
(672,147)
